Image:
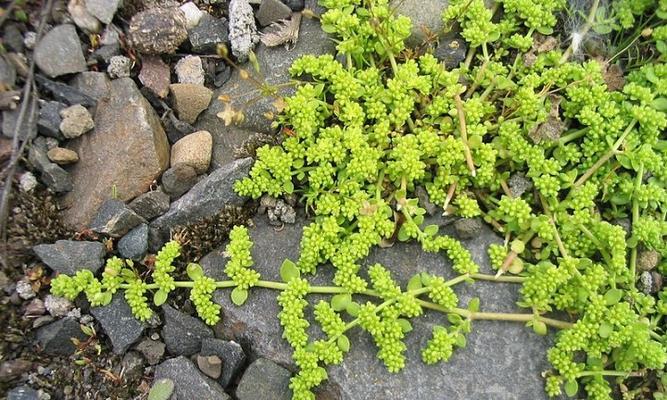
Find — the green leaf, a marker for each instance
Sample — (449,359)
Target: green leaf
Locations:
(431,230)
(545,30)
(194,271)
(473,305)
(328,28)
(415,282)
(454,319)
(239,296)
(340,302)
(605,330)
(517,246)
(159,297)
(289,271)
(353,309)
(540,327)
(571,388)
(403,234)
(660,104)
(406,326)
(343,343)
(161,390)
(426,278)
(288,187)
(613,296)
(461,341)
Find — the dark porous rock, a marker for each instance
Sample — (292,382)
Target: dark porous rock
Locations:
(271,11)
(115,219)
(189,382)
(158,30)
(206,199)
(64,93)
(93,84)
(150,204)
(209,32)
(232,356)
(69,256)
(243,35)
(178,179)
(152,350)
(118,323)
(264,380)
(134,245)
(55,338)
(451,52)
(502,352)
(295,5)
(51,174)
(468,228)
(132,366)
(23,393)
(59,52)
(183,333)
(48,123)
(129,138)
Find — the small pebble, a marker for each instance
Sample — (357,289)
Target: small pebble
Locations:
(190,70)
(62,156)
(57,306)
(192,14)
(24,290)
(76,121)
(119,67)
(27,182)
(30,40)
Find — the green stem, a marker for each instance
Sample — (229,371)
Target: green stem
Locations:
(502,278)
(571,136)
(635,218)
(608,373)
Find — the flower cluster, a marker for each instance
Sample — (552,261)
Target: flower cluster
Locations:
(240,259)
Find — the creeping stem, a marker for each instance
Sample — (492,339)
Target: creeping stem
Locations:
(464,135)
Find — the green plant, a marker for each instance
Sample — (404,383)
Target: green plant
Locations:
(368,133)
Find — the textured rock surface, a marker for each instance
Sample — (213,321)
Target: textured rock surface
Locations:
(62,156)
(189,382)
(130,142)
(243,34)
(264,380)
(23,393)
(155,75)
(158,30)
(69,256)
(103,9)
(178,179)
(208,33)
(500,353)
(76,121)
(271,11)
(64,93)
(59,52)
(134,245)
(426,15)
(51,174)
(117,321)
(152,350)
(193,150)
(151,204)
(190,100)
(232,356)
(183,333)
(55,338)
(115,219)
(189,69)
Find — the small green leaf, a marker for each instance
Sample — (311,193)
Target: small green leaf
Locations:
(328,28)
(517,246)
(161,390)
(353,309)
(454,319)
(288,187)
(660,104)
(426,278)
(571,388)
(613,296)
(340,302)
(406,326)
(540,327)
(160,297)
(343,343)
(605,330)
(461,341)
(431,230)
(415,282)
(289,271)
(239,296)
(194,271)
(403,234)
(473,305)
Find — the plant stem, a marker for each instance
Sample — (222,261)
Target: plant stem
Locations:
(635,218)
(608,373)
(450,195)
(493,278)
(571,136)
(464,135)
(584,30)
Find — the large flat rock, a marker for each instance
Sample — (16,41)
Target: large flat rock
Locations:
(503,360)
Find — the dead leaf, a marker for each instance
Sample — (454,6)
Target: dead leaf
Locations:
(228,114)
(286,32)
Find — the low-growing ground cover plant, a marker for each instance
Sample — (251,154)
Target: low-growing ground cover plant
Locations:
(553,145)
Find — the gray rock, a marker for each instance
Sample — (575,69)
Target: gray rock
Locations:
(151,204)
(27,182)
(183,333)
(12,38)
(132,366)
(243,34)
(111,35)
(206,198)
(51,174)
(55,338)
(271,11)
(189,69)
(501,352)
(76,120)
(232,356)
(152,350)
(27,129)
(69,256)
(48,122)
(519,184)
(451,52)
(59,52)
(82,17)
(115,219)
(192,14)
(189,382)
(119,67)
(134,244)
(57,306)
(178,179)
(158,30)
(7,73)
(30,40)
(24,290)
(295,5)
(64,93)
(105,53)
(281,213)
(118,323)
(211,366)
(190,100)
(468,228)
(103,10)
(23,393)
(155,75)
(210,31)
(175,128)
(426,15)
(264,380)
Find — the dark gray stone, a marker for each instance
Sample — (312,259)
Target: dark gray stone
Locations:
(134,244)
(23,393)
(426,16)
(158,30)
(151,204)
(295,5)
(152,350)
(451,52)
(210,31)
(175,128)
(117,321)
(271,11)
(264,380)
(468,228)
(55,338)
(105,53)
(12,38)
(64,93)
(69,256)
(93,84)
(51,174)
(232,356)
(189,382)
(59,52)
(115,219)
(132,366)
(48,123)
(183,333)
(7,73)
(103,10)
(27,130)
(178,179)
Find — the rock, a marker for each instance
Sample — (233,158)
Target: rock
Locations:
(183,333)
(176,129)
(13,369)
(155,75)
(35,308)
(193,150)
(271,11)
(52,175)
(211,366)
(12,39)
(59,52)
(119,67)
(134,245)
(281,213)
(105,53)
(264,380)
(426,16)
(152,350)
(65,93)
(27,182)
(118,323)
(295,5)
(30,40)
(24,290)
(48,123)
(82,17)
(62,156)
(23,393)
(222,74)
(111,35)
(189,70)
(647,260)
(190,100)
(243,34)
(129,138)
(26,131)
(69,256)
(189,383)
(501,352)
(76,121)
(115,219)
(5,149)
(55,338)
(158,30)
(468,228)
(151,204)
(451,52)
(206,198)
(519,184)
(7,73)
(178,179)
(192,14)
(210,31)
(232,356)
(103,10)
(57,306)
(132,366)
